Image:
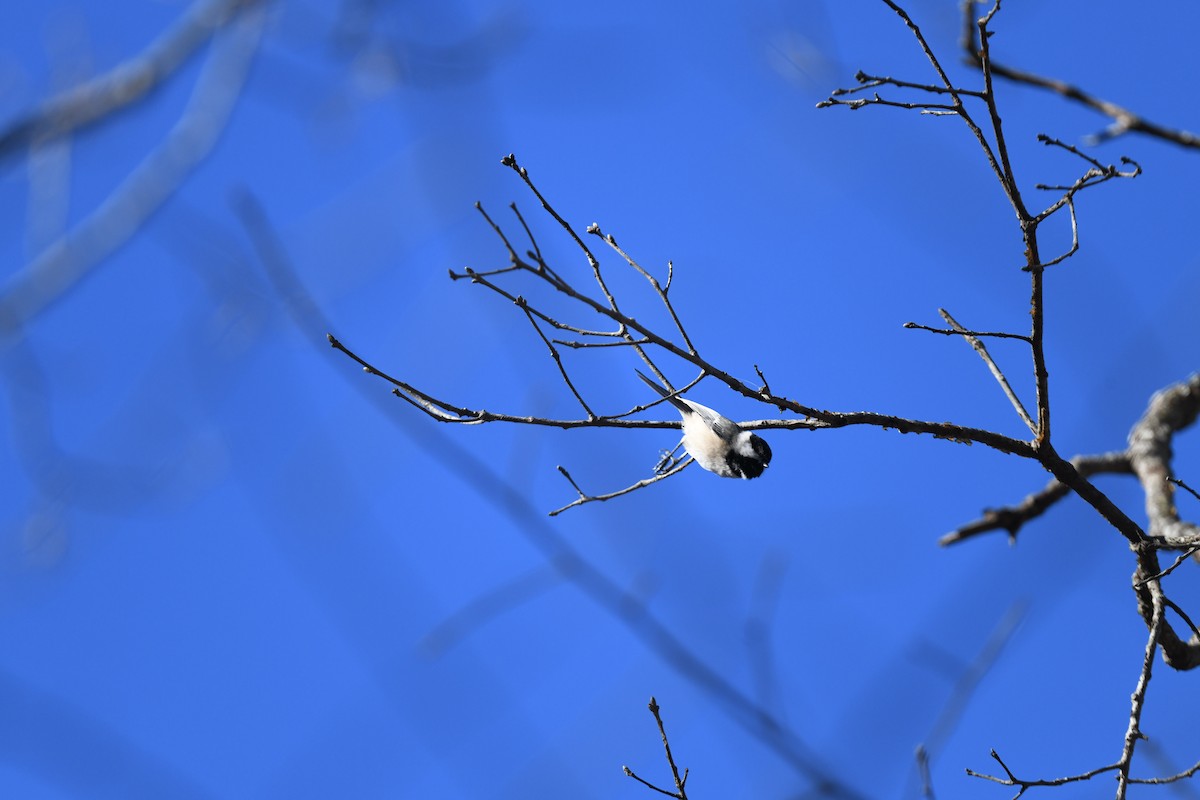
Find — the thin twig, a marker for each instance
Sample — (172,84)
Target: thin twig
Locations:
(584,497)
(1133,731)
(1184,556)
(981,349)
(1012,780)
(875,81)
(510,161)
(647,783)
(512,254)
(980,334)
(659,289)
(1184,486)
(562,370)
(1171,604)
(575,345)
(1187,773)
(445,412)
(766,387)
(481,278)
(679,782)
(1070,251)
(680,792)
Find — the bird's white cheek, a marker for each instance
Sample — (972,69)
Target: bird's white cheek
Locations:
(744,447)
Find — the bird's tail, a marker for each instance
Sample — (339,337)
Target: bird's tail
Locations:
(661,391)
(675,401)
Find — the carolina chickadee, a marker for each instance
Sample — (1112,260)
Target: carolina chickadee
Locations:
(717,443)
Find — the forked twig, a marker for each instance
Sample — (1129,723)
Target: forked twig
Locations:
(584,497)
(680,781)
(982,350)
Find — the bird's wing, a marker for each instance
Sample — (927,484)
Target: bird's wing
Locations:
(722,425)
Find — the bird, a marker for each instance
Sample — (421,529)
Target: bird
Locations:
(716,442)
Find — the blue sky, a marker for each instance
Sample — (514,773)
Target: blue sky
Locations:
(236,566)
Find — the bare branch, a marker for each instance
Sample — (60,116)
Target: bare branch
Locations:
(1170,411)
(1012,518)
(445,412)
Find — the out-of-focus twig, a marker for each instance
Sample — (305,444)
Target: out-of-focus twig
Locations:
(1123,120)
(124,84)
(66,261)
